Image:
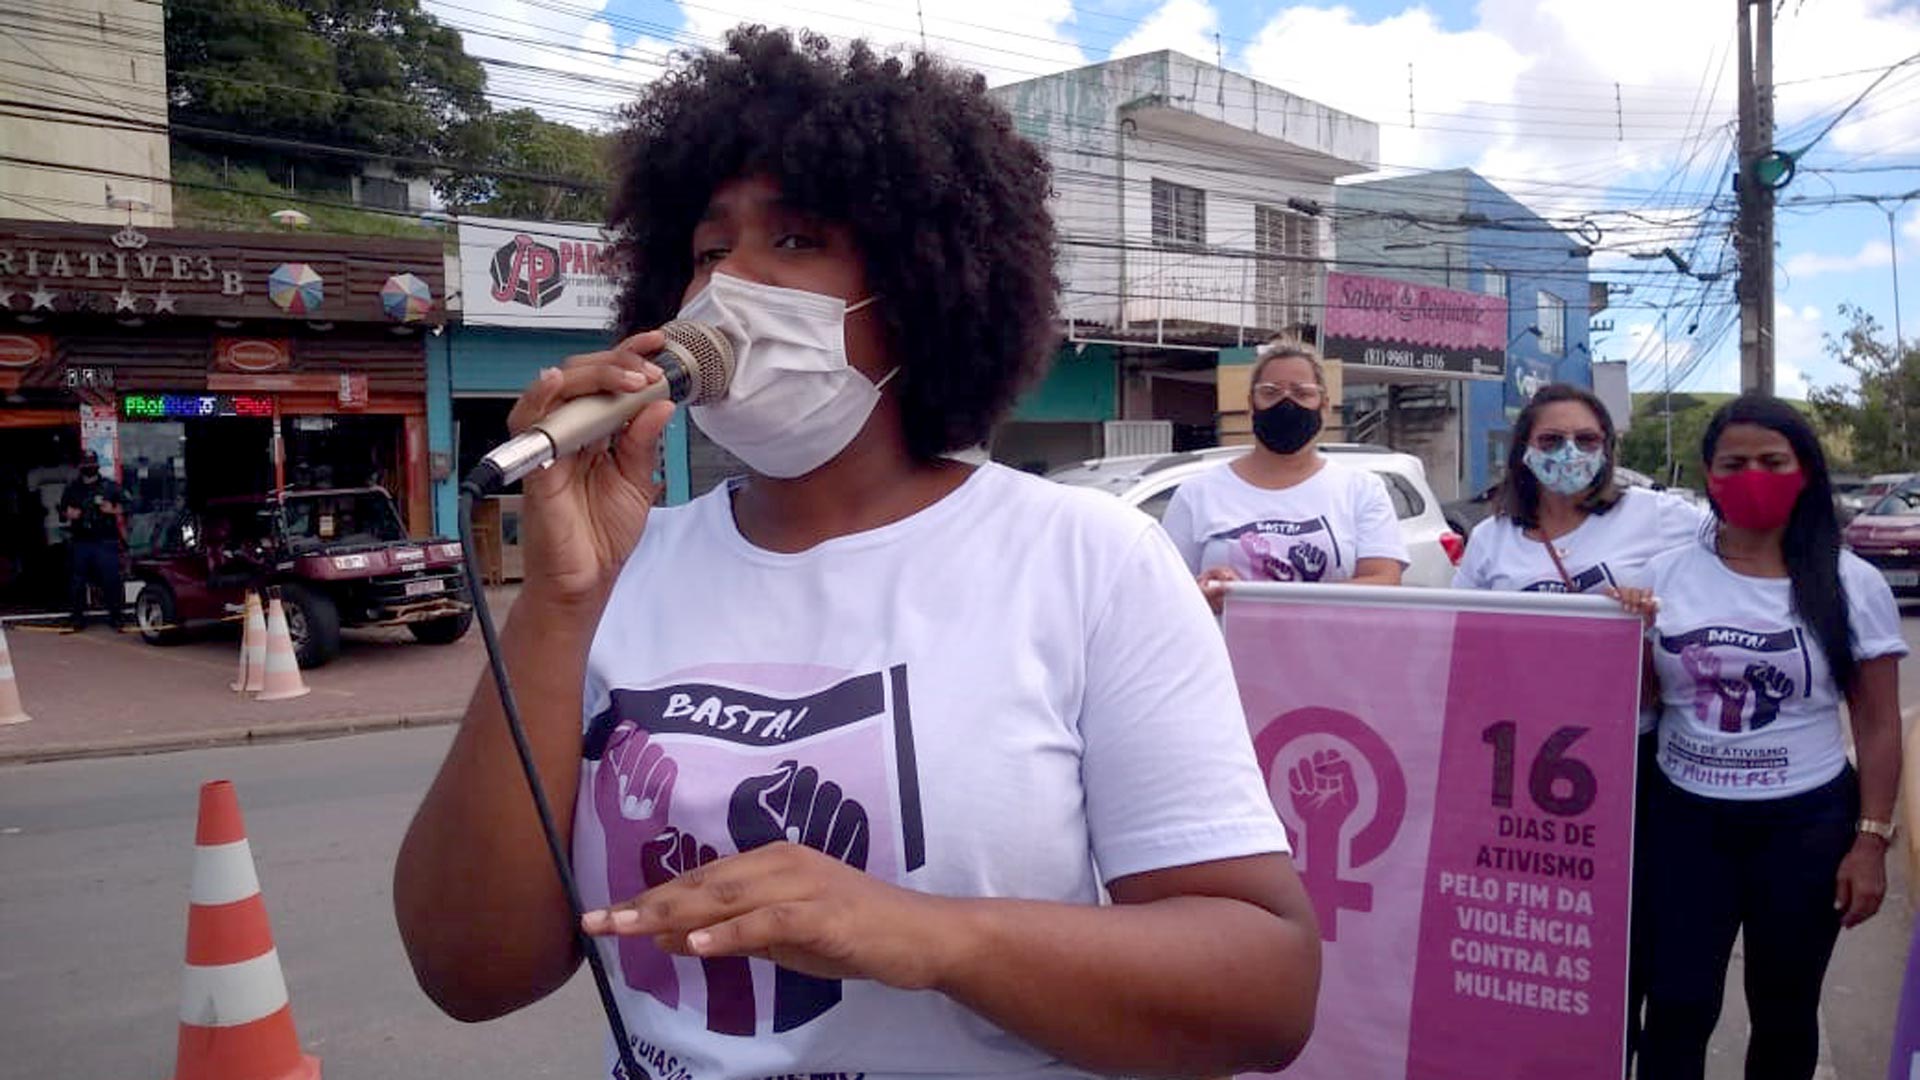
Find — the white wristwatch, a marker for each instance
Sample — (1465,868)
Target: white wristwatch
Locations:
(1882,829)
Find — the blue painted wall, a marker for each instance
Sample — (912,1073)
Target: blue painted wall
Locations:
(502,360)
(1534,257)
(1535,261)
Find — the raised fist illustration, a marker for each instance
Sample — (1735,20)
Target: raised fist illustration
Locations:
(632,790)
(1703,667)
(730,1007)
(791,803)
(1323,790)
(1309,562)
(1771,687)
(1263,562)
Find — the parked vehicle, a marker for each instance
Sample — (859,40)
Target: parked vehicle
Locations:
(1850,498)
(337,558)
(1888,536)
(1148,481)
(1464,514)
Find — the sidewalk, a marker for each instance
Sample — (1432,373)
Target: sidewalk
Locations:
(97,694)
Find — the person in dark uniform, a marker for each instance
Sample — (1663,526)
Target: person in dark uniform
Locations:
(91,507)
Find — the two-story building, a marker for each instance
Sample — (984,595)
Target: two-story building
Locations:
(1464,245)
(1192,204)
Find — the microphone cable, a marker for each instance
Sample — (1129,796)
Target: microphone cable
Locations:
(475,487)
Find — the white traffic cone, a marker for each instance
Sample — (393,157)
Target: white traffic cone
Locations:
(253,650)
(11,711)
(283,679)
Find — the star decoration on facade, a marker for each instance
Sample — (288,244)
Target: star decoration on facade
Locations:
(6,299)
(42,298)
(164,301)
(125,301)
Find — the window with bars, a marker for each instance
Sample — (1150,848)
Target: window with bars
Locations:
(1283,288)
(1553,324)
(1179,214)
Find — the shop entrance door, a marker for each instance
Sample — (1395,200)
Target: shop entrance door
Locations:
(36,464)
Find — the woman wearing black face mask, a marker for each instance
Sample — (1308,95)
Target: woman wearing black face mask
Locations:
(1284,512)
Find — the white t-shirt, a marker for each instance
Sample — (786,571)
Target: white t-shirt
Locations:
(1609,550)
(1315,530)
(1749,706)
(985,699)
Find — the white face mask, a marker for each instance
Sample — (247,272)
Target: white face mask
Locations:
(794,402)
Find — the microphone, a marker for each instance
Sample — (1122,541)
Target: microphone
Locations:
(698,366)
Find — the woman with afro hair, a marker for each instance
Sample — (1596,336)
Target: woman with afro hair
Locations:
(880,763)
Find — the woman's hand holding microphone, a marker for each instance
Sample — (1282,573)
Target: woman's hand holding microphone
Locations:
(584,514)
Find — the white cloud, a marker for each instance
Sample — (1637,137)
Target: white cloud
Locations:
(1558,100)
(1186,26)
(1007,40)
(1798,347)
(1873,255)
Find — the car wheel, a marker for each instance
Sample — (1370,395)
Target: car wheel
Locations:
(313,622)
(154,612)
(441,631)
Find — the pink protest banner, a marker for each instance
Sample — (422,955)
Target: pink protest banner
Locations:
(1456,771)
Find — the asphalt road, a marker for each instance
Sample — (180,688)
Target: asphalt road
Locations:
(93,908)
(95,857)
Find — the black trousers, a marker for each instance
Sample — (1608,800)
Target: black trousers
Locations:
(96,562)
(1639,956)
(1766,869)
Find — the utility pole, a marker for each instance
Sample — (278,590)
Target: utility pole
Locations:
(1666,371)
(1754,229)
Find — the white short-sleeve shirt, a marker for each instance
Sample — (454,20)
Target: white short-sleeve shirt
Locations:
(1608,550)
(1015,692)
(1316,530)
(1749,706)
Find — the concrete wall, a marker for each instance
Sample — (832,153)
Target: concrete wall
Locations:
(1111,129)
(101,56)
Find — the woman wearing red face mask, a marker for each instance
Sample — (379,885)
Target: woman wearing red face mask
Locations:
(1758,823)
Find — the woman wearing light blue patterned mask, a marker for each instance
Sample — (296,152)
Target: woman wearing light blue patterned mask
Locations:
(1562,524)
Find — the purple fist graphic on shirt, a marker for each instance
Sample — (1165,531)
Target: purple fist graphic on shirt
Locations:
(631,793)
(1711,689)
(1263,559)
(1771,688)
(792,803)
(1309,562)
(729,978)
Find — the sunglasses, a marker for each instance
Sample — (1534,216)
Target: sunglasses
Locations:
(1266,394)
(1548,442)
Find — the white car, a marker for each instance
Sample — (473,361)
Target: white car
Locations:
(1148,481)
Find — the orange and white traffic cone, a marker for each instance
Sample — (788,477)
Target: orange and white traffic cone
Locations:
(236,1022)
(283,679)
(11,711)
(253,650)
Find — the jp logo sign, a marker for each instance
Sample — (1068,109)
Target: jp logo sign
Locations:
(1342,783)
(527,272)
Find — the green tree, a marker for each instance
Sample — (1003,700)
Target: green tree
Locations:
(1879,419)
(1644,447)
(381,76)
(523,141)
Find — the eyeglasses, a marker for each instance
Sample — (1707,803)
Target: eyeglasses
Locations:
(1548,442)
(1266,395)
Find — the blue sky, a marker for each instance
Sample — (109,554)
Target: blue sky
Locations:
(1618,112)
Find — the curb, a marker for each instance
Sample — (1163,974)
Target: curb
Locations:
(327,728)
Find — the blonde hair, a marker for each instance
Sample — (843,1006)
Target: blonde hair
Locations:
(1287,347)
